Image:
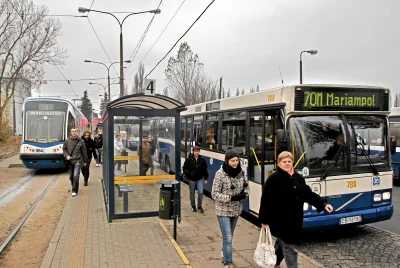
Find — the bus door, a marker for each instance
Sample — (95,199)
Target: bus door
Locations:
(261,153)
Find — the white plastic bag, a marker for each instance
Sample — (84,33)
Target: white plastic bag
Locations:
(264,255)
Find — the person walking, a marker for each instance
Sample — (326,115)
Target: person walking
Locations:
(98,145)
(229,189)
(195,170)
(75,154)
(152,151)
(281,208)
(118,147)
(144,153)
(91,151)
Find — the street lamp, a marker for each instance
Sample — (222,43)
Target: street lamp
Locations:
(104,87)
(108,70)
(121,48)
(312,52)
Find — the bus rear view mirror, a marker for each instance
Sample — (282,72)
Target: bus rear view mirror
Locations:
(393,143)
(281,139)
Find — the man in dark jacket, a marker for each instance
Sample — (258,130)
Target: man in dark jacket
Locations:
(75,153)
(195,170)
(98,145)
(152,151)
(91,150)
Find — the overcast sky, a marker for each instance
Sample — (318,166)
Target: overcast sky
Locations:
(358,42)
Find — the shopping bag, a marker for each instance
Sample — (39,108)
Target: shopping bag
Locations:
(264,255)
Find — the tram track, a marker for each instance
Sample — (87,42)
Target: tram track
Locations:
(20,224)
(17,187)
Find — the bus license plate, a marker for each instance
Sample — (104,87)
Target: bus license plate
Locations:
(350,220)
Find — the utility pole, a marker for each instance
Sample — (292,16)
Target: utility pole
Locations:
(220,87)
(14,119)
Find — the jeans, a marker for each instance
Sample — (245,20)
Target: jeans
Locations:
(287,251)
(99,152)
(117,162)
(74,176)
(227,225)
(200,186)
(151,163)
(85,170)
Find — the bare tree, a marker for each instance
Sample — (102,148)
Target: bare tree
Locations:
(28,40)
(228,94)
(165,92)
(237,92)
(257,88)
(138,80)
(242,91)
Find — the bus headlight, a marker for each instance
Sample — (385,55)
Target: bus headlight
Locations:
(386,196)
(305,206)
(377,197)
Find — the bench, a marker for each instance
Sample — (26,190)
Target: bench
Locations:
(123,190)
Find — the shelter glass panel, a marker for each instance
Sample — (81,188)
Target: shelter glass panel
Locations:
(144,152)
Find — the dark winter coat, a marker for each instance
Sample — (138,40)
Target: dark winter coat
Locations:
(195,170)
(90,149)
(79,154)
(98,142)
(282,203)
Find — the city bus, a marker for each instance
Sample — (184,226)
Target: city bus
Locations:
(306,120)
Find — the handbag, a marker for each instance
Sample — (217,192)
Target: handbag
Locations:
(264,255)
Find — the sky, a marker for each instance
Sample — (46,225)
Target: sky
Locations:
(245,42)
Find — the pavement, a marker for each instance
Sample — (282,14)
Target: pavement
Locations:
(83,238)
(12,161)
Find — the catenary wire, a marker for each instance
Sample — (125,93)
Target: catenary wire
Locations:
(157,38)
(66,80)
(180,38)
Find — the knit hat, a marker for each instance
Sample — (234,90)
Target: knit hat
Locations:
(229,154)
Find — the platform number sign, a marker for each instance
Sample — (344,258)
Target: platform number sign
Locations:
(150,86)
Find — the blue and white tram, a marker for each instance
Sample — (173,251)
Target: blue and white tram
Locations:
(306,120)
(47,122)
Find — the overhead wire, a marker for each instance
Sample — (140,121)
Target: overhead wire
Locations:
(180,38)
(76,80)
(136,50)
(65,79)
(98,38)
(157,38)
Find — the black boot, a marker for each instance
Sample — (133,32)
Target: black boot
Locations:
(201,210)
(86,183)
(194,209)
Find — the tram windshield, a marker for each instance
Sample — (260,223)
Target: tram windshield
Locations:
(319,139)
(45,122)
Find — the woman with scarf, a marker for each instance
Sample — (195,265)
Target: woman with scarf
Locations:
(229,189)
(281,208)
(91,150)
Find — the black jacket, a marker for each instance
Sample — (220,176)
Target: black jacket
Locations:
(98,142)
(195,170)
(89,143)
(282,203)
(75,148)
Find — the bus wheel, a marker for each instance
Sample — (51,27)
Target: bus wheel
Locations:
(167,166)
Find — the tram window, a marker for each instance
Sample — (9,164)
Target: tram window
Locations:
(234,132)
(71,123)
(198,130)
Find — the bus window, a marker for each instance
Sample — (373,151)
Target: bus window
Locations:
(198,130)
(395,131)
(212,132)
(234,131)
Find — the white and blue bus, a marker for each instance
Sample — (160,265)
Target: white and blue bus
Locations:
(394,119)
(305,120)
(47,122)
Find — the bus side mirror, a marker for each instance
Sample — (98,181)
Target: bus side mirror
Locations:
(393,143)
(281,140)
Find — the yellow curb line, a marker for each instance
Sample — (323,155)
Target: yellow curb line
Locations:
(176,246)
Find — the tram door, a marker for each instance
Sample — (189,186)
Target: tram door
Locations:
(261,153)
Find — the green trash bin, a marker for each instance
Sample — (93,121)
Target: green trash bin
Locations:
(166,209)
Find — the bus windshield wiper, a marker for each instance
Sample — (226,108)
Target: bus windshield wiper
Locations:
(331,164)
(371,164)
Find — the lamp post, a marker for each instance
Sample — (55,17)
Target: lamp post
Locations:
(312,52)
(121,48)
(108,71)
(104,88)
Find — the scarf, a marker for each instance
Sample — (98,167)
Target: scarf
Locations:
(232,172)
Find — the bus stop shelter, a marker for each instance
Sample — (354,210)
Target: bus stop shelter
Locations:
(141,146)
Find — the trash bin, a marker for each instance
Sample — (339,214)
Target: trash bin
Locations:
(124,153)
(166,209)
(166,206)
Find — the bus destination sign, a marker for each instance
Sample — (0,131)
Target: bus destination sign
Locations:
(350,99)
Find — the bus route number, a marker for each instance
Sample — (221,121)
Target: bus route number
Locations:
(351,184)
(271,97)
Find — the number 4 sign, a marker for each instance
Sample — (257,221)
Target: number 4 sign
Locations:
(150,87)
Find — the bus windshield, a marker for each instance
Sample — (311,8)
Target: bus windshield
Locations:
(320,137)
